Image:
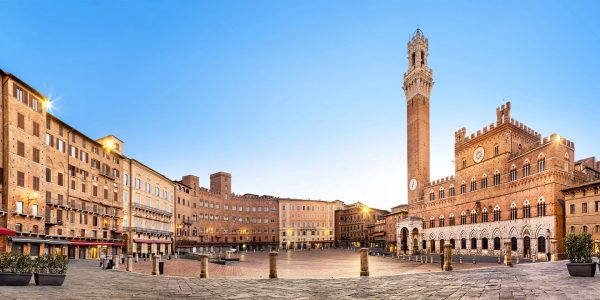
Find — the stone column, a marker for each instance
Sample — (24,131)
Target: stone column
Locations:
(507,254)
(554,250)
(273,264)
(129,260)
(364,262)
(409,245)
(155,264)
(203,266)
(447,257)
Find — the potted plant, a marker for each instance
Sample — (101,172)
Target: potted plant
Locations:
(15,269)
(50,270)
(579,249)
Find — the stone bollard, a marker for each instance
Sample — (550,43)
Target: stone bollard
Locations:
(129,261)
(203,266)
(116,261)
(474,262)
(499,260)
(364,262)
(447,257)
(273,264)
(460,260)
(507,254)
(176,255)
(409,258)
(155,265)
(431,261)
(517,257)
(136,258)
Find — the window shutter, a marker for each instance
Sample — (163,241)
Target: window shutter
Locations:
(25,98)
(15,90)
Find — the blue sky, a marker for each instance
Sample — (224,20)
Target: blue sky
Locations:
(303,98)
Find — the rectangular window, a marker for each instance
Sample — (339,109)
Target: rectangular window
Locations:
(48,175)
(21,149)
(36,129)
(21,121)
(36,155)
(19,207)
(572,208)
(584,208)
(36,183)
(20,179)
(49,140)
(60,179)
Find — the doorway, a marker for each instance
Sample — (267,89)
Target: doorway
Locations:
(526,247)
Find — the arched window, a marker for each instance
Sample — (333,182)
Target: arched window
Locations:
(452,220)
(473,243)
(497,213)
(496,177)
(464,163)
(541,163)
(572,229)
(526,209)
(513,243)
(496,243)
(422,58)
(484,243)
(541,207)
(526,168)
(484,215)
(442,221)
(513,173)
(484,181)
(541,244)
(451,191)
(597,229)
(453,243)
(496,149)
(513,211)
(463,218)
(413,59)
(432,222)
(442,193)
(463,187)
(431,195)
(473,216)
(584,229)
(473,184)
(566,162)
(463,243)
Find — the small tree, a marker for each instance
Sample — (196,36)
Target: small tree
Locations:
(579,247)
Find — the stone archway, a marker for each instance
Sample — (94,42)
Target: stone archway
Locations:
(415,240)
(404,240)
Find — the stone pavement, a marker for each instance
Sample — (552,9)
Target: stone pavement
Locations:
(527,281)
(314,264)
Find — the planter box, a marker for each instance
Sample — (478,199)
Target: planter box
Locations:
(49,279)
(15,279)
(582,269)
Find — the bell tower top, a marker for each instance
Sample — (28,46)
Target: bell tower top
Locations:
(417,51)
(418,79)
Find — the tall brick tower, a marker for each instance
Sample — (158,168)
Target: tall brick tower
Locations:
(417,88)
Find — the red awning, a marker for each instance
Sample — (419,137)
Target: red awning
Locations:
(8,232)
(151,241)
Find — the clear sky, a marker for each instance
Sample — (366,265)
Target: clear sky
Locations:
(304,98)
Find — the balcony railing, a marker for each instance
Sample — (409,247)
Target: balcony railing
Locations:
(152,231)
(152,209)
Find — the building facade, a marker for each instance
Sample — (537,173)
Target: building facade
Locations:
(583,210)
(352,224)
(307,223)
(60,188)
(149,205)
(216,219)
(506,186)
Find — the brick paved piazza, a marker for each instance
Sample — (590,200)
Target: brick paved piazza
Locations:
(539,280)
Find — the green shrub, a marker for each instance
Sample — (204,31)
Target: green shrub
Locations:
(48,264)
(15,263)
(579,247)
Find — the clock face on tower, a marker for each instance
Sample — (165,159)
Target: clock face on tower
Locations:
(478,155)
(413,184)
